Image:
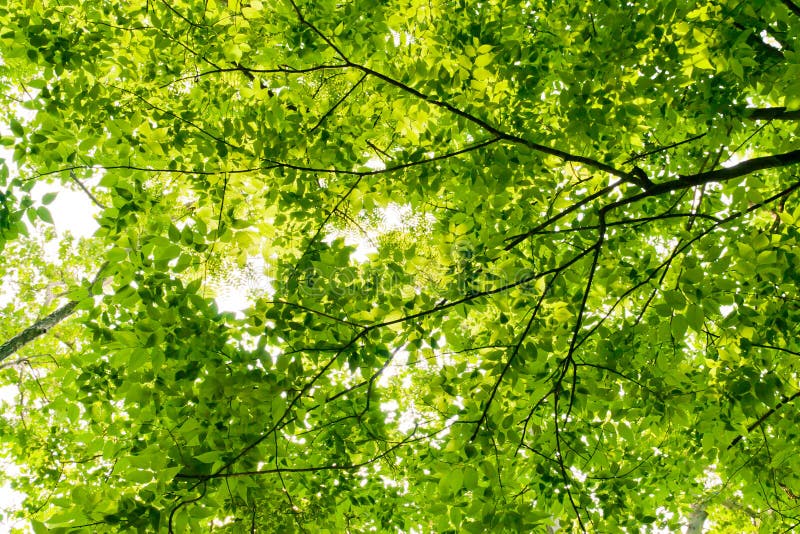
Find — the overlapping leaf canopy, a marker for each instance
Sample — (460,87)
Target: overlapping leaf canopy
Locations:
(588,317)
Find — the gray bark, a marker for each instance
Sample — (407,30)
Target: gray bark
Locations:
(42,326)
(697,519)
(37,329)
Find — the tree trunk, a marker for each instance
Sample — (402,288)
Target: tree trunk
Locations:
(43,325)
(37,329)
(697,519)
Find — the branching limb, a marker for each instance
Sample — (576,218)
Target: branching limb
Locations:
(760,421)
(619,374)
(530,415)
(178,118)
(198,172)
(309,469)
(361,174)
(183,503)
(562,467)
(277,165)
(182,16)
(517,239)
(322,36)
(779,349)
(347,346)
(250,71)
(663,148)
(728,173)
(387,170)
(569,360)
(337,104)
(511,358)
(632,177)
(315,312)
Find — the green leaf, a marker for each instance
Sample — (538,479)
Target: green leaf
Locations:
(208,457)
(470,478)
(695,317)
(174,234)
(675,299)
(16,128)
(678,326)
(44,214)
(483,60)
(167,253)
(764,393)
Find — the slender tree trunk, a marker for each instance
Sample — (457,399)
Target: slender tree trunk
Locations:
(37,329)
(697,519)
(43,325)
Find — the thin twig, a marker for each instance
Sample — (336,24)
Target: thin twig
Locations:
(85,190)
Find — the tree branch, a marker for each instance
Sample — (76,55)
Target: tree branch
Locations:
(794,8)
(511,358)
(721,175)
(517,239)
(311,310)
(561,154)
(683,182)
(37,329)
(85,190)
(310,469)
(663,148)
(248,71)
(753,426)
(177,117)
(181,16)
(742,169)
(772,114)
(337,104)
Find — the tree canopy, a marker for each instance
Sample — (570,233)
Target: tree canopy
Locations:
(512,265)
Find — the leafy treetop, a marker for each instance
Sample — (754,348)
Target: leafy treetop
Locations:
(587,318)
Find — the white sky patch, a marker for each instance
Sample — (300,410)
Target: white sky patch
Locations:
(233,301)
(375,163)
(579,475)
(364,249)
(394,216)
(72,211)
(408,419)
(712,478)
(401,39)
(770,40)
(8,394)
